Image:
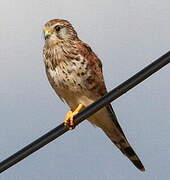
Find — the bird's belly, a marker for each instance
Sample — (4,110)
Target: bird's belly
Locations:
(72,88)
(69,81)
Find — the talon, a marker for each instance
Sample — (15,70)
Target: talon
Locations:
(69,119)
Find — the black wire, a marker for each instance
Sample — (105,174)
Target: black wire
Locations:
(91,109)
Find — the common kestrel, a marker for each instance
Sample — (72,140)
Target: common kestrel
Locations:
(75,73)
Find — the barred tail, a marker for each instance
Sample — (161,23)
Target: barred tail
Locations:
(107,121)
(127,150)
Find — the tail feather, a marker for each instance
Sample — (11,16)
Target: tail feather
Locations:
(127,150)
(130,153)
(107,121)
(117,136)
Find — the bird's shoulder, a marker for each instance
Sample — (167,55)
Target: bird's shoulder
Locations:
(95,65)
(86,51)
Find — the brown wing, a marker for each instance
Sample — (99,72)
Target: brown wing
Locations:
(99,89)
(98,85)
(95,82)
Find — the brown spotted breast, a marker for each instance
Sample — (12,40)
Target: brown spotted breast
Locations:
(69,73)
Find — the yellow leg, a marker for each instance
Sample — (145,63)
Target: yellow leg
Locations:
(69,119)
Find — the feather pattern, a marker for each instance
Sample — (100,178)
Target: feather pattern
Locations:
(75,73)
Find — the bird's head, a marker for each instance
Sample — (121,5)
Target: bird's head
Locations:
(58,30)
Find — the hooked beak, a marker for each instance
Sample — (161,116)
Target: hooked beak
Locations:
(47,34)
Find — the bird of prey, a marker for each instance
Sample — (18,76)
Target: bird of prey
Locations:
(75,73)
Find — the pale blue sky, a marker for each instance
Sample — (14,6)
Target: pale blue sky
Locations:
(127,35)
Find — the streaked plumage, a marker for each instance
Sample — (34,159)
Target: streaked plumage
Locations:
(75,73)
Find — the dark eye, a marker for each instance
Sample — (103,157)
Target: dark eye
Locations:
(57,28)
